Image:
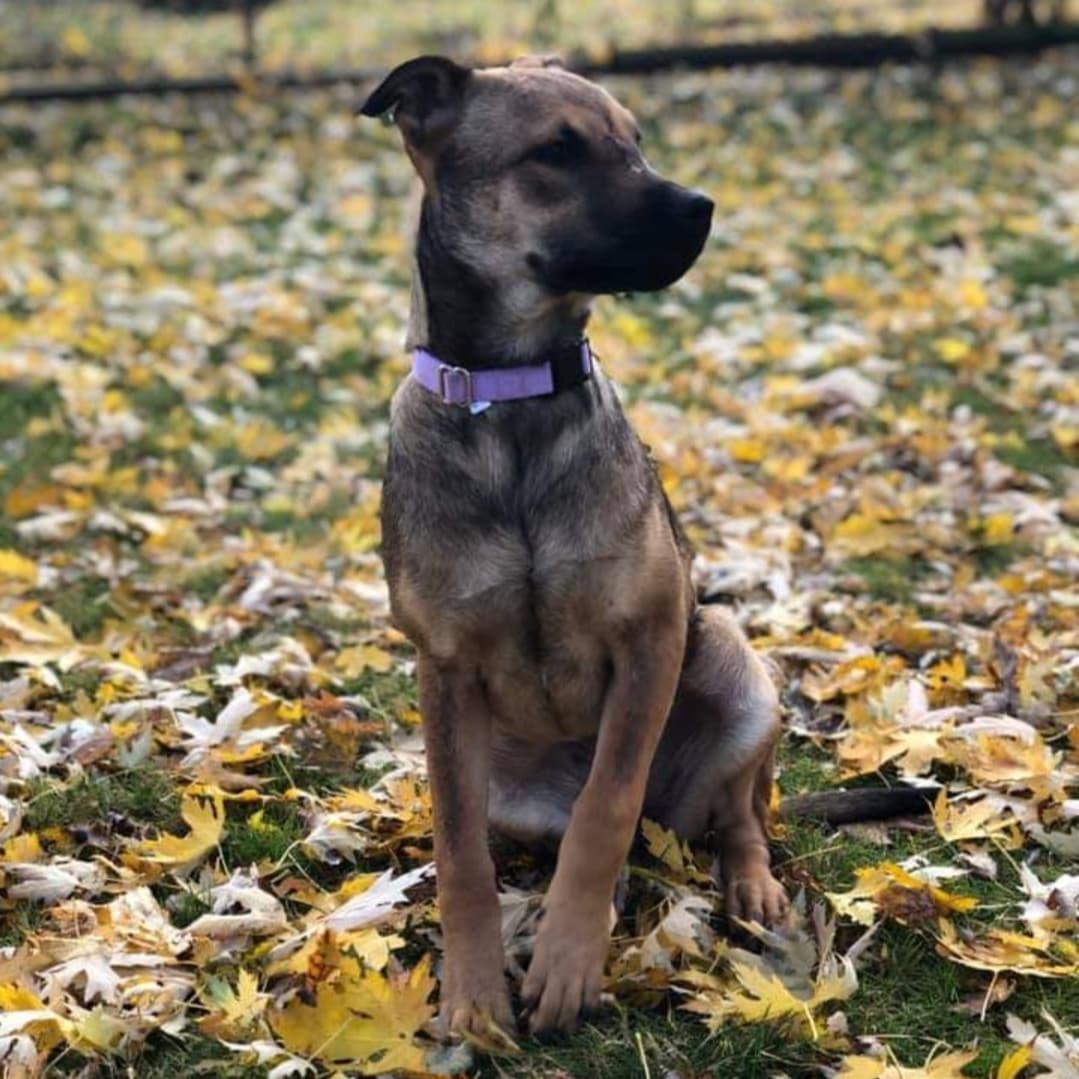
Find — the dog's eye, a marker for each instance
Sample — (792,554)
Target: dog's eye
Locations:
(567,149)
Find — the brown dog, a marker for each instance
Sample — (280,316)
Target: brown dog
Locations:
(568,680)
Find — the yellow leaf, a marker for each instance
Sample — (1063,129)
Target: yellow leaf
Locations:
(256,363)
(362,1021)
(1014,1062)
(205,816)
(957,821)
(951,349)
(973,295)
(673,852)
(24,847)
(35,635)
(942,1066)
(864,534)
(74,42)
(999,950)
(948,675)
(861,1067)
(13,564)
(352,662)
(232,1010)
(23,1012)
(761,995)
(998,529)
(747,451)
(889,889)
(98,1030)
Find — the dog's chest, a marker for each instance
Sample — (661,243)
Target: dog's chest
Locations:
(509,544)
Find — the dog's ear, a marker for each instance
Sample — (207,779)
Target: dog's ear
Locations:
(424,95)
(546,60)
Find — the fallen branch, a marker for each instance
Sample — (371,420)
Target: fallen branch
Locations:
(831,50)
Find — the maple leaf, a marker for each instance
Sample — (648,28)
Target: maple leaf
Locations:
(240,906)
(795,977)
(232,1009)
(674,853)
(46,638)
(352,662)
(969,820)
(57,880)
(938,1066)
(23,1013)
(890,889)
(204,814)
(363,1020)
(1000,950)
(285,1064)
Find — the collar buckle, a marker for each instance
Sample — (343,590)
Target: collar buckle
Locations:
(446,374)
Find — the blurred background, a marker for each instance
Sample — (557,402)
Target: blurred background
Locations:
(133,38)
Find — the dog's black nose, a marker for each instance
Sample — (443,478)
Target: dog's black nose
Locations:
(699,207)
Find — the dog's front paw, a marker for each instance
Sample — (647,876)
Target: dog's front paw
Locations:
(479,1006)
(566,973)
(754,895)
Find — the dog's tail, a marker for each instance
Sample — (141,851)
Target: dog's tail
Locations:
(860,804)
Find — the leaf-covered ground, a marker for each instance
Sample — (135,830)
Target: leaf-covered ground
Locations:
(214,823)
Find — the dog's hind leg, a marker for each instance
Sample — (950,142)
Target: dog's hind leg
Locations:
(712,773)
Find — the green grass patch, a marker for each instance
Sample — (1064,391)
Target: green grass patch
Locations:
(161,1057)
(145,795)
(801,766)
(1041,263)
(266,834)
(672,1043)
(83,604)
(22,402)
(892,579)
(1038,455)
(18,923)
(207,581)
(913,1001)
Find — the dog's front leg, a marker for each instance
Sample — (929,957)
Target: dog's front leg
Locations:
(457,735)
(566,973)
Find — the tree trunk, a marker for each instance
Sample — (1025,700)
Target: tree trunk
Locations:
(249,15)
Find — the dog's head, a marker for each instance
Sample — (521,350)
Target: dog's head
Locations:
(538,174)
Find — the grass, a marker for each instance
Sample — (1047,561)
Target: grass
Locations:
(1041,264)
(162,1057)
(893,579)
(83,604)
(262,836)
(143,795)
(629,1043)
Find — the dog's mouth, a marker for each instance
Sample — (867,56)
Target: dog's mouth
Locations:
(643,251)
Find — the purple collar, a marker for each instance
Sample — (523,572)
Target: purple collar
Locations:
(477,389)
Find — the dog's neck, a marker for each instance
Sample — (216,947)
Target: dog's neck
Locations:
(467,322)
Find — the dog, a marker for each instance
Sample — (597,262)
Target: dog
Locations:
(568,679)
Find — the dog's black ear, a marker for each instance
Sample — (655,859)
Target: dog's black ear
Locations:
(424,95)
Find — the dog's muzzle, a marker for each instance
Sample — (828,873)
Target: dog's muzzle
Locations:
(642,249)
